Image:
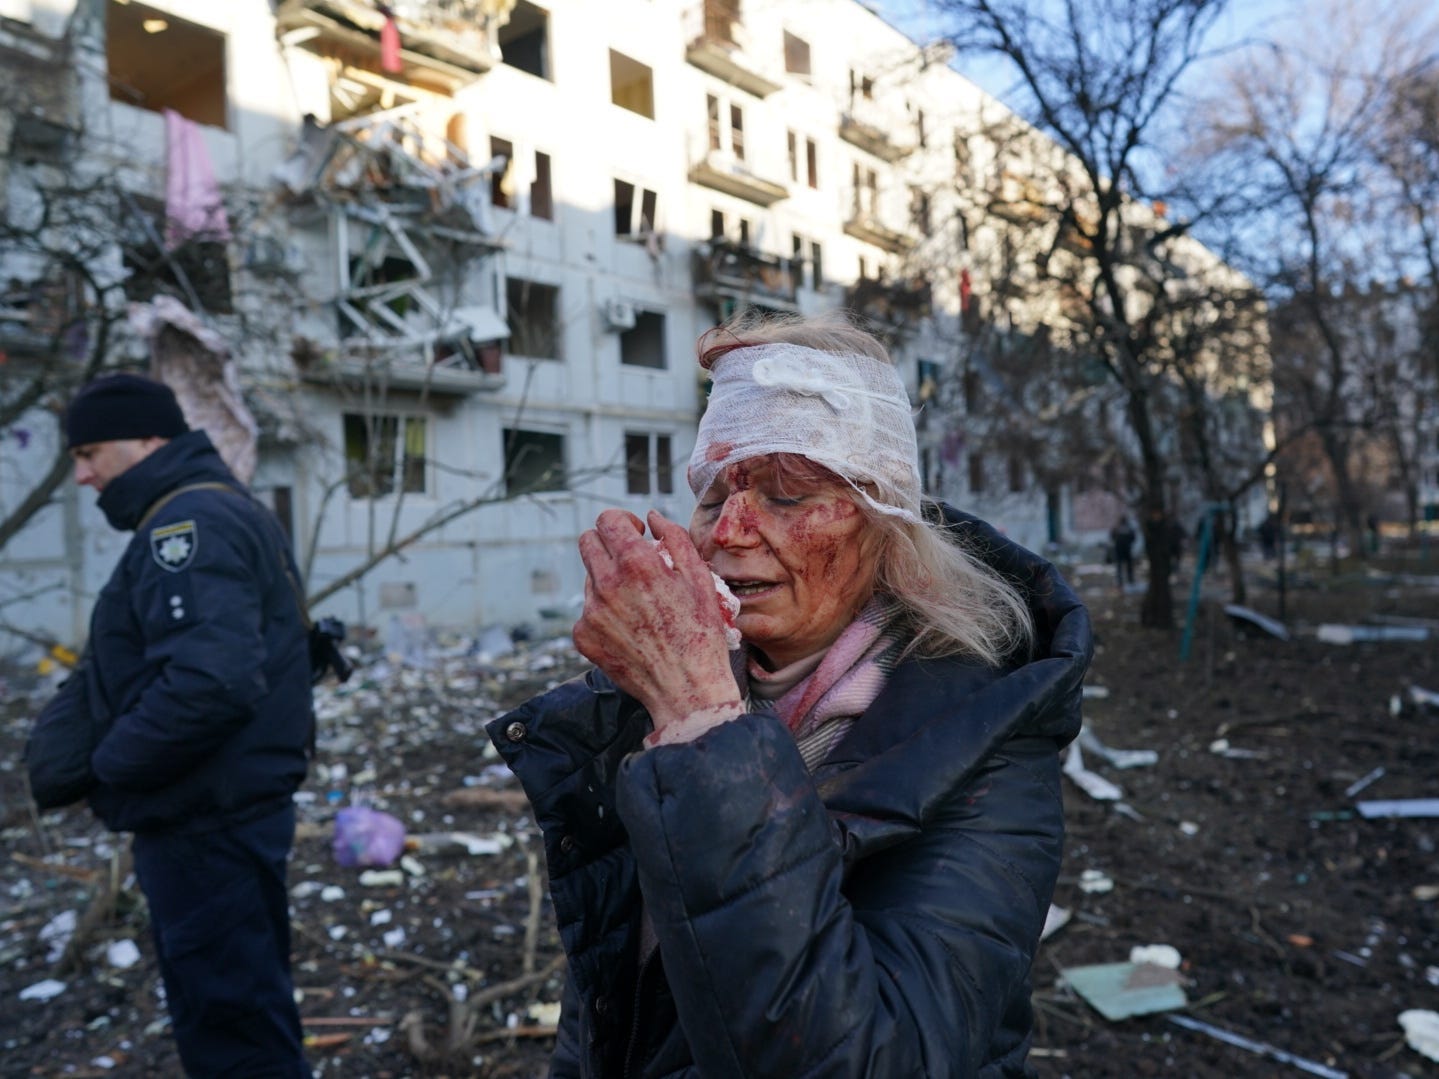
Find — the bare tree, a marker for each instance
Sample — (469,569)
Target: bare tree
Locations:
(1100,80)
(1298,121)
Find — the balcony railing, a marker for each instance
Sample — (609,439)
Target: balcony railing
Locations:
(891,303)
(867,226)
(730,271)
(877,131)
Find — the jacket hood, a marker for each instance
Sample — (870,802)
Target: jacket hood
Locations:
(187,458)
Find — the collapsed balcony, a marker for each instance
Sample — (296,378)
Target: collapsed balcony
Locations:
(438,44)
(893,304)
(726,271)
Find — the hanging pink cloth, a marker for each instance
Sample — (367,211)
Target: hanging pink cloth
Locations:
(390,46)
(194,208)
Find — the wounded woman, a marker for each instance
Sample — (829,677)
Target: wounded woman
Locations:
(831,851)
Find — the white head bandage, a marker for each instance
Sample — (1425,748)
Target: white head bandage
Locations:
(847,412)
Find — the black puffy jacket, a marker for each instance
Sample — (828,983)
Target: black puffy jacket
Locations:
(877,918)
(197,665)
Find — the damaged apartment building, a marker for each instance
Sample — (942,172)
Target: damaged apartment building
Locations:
(432,271)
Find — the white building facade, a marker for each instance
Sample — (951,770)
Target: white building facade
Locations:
(470,248)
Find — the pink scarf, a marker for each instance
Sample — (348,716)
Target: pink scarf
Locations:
(849,677)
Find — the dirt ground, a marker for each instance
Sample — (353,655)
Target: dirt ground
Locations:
(1301,925)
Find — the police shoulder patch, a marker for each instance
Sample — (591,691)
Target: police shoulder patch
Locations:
(173,546)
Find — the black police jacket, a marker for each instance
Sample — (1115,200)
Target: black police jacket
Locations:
(875,919)
(197,664)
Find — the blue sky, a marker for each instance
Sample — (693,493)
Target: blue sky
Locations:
(917,19)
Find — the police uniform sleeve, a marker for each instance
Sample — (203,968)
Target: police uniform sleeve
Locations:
(196,604)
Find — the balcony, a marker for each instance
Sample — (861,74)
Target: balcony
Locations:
(866,226)
(444,44)
(1019,200)
(717,45)
(722,171)
(876,131)
(39,90)
(729,271)
(894,304)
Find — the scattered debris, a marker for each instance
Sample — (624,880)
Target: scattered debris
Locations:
(1222,748)
(1364,781)
(1262,1048)
(365,836)
(1333,633)
(1054,920)
(1161,955)
(1423,696)
(49,989)
(1093,784)
(1120,758)
(1121,990)
(1421,1031)
(1094,693)
(1248,616)
(1095,882)
(1399,807)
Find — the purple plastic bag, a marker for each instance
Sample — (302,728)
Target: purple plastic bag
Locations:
(365,836)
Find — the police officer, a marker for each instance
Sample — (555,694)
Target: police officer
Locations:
(197,679)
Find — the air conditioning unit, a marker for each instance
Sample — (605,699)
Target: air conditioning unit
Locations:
(619,314)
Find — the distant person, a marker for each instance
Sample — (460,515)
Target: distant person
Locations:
(830,851)
(195,684)
(1269,537)
(1121,539)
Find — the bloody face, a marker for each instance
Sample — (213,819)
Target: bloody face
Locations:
(789,540)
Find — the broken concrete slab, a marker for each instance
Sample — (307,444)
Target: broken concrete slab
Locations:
(1247,616)
(1399,807)
(1121,990)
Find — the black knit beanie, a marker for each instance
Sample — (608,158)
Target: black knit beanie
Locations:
(120,406)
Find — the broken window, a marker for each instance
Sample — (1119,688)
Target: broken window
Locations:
(534,318)
(525,40)
(542,199)
(811,160)
(792,147)
(860,86)
(632,85)
(796,55)
(649,467)
(816,265)
(919,215)
(716,224)
(384,454)
(712,119)
(156,61)
(866,191)
(502,185)
(634,217)
(736,131)
(534,461)
(195,272)
(643,345)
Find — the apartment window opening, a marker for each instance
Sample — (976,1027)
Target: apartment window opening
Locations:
(632,85)
(534,461)
(502,184)
(976,473)
(542,199)
(384,454)
(796,55)
(156,61)
(525,40)
(644,344)
(534,318)
(649,465)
